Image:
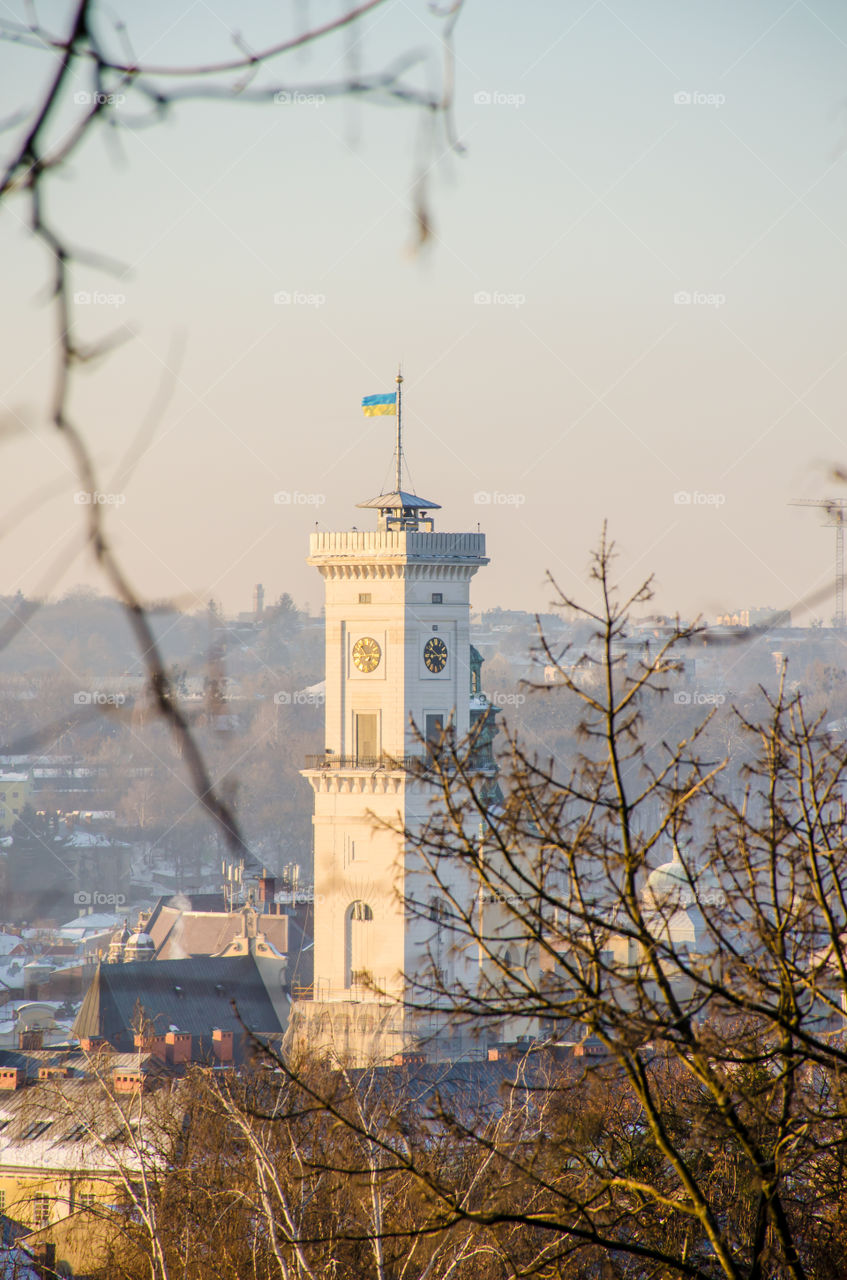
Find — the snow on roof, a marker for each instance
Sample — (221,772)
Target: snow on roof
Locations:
(83,926)
(88,839)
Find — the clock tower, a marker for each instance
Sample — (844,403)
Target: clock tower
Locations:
(399,674)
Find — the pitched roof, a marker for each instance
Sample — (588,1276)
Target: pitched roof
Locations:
(400,500)
(179,933)
(194,995)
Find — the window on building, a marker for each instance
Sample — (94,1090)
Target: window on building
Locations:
(437,597)
(40,1209)
(354,850)
(437,910)
(364,597)
(367,748)
(2,1199)
(86,1200)
(435,734)
(36,1129)
(358,930)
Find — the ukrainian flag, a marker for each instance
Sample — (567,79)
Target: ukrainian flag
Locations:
(373,406)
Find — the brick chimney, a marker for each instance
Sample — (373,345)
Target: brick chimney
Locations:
(92,1044)
(222,1045)
(267,891)
(177,1047)
(10,1078)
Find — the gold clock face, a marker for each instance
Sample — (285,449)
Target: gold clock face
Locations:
(435,654)
(366,654)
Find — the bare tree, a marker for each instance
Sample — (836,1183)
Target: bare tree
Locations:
(684,1021)
(101,50)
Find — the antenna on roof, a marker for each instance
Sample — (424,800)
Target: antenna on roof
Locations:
(398,474)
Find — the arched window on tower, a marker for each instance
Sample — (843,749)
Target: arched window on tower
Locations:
(358,927)
(436,942)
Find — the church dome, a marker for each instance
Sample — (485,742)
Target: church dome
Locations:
(140,946)
(668,887)
(118,942)
(674,898)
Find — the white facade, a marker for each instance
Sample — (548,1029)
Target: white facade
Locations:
(397,666)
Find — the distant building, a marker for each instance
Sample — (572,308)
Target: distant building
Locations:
(200,1000)
(767,618)
(229,975)
(202,924)
(14,794)
(68,1141)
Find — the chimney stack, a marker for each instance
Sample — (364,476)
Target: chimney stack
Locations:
(259,600)
(267,890)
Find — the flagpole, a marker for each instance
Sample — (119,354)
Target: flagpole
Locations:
(398,476)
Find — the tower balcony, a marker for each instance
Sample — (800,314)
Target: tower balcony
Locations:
(367,763)
(391,545)
(481,761)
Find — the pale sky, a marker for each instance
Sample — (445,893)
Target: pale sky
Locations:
(616,155)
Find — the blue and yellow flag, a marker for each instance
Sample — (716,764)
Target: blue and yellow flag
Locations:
(373,406)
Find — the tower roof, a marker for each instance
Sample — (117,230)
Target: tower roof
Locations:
(400,500)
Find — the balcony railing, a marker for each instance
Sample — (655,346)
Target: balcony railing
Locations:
(384,763)
(363,762)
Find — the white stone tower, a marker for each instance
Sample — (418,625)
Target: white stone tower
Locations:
(398,655)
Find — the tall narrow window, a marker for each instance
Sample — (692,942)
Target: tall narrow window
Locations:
(367,748)
(358,928)
(434,734)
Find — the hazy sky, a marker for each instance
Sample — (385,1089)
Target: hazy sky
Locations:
(616,156)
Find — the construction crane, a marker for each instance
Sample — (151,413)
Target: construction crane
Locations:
(835,515)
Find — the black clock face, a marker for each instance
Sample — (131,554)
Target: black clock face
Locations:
(435,654)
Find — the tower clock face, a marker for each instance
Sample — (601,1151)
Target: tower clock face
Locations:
(435,655)
(366,654)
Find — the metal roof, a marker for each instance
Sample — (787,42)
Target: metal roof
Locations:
(398,500)
(194,995)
